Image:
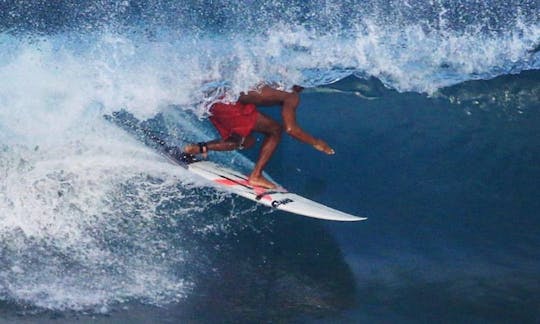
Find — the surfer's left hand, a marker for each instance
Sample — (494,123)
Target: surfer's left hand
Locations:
(323,147)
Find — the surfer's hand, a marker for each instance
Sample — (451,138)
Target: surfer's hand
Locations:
(323,147)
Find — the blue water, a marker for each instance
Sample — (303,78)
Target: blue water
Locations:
(432,107)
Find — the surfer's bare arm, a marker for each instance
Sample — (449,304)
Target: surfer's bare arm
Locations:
(288,113)
(268,96)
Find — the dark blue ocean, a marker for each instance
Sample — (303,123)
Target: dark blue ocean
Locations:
(432,107)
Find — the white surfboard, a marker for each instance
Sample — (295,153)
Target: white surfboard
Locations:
(230,180)
(280,198)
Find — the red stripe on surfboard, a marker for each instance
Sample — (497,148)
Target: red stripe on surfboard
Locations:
(259,191)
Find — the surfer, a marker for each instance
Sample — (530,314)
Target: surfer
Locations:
(235,123)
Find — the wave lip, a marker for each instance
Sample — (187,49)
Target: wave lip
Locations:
(131,49)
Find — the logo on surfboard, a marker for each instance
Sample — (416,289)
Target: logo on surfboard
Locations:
(277,203)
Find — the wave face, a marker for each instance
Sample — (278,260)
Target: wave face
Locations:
(89,217)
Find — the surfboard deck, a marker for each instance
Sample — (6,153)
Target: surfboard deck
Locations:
(228,179)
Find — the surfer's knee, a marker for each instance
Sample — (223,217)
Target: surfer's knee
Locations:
(236,142)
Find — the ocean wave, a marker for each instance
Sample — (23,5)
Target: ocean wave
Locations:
(84,208)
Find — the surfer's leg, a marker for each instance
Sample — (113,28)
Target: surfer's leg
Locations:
(234,142)
(215,145)
(272,131)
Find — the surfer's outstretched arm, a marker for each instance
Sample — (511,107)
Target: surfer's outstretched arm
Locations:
(288,113)
(268,96)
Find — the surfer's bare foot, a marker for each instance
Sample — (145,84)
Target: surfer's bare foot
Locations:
(323,147)
(260,181)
